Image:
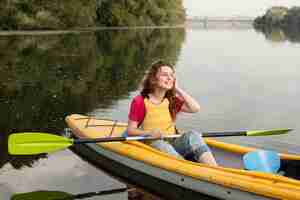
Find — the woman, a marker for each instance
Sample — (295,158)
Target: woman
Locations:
(154,111)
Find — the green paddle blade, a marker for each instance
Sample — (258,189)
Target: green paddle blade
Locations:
(35,143)
(268,132)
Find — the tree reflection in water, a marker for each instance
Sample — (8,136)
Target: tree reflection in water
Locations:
(44,78)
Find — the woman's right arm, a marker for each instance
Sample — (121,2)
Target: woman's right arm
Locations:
(133,129)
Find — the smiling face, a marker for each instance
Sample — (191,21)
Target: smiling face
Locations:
(165,78)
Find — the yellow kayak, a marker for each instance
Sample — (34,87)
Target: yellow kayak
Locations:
(182,179)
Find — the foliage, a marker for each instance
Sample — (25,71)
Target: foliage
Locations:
(280,24)
(44,14)
(57,14)
(140,13)
(279,17)
(292,19)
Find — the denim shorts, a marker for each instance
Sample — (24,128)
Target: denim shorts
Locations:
(190,145)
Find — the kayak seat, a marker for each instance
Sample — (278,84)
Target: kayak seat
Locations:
(262,160)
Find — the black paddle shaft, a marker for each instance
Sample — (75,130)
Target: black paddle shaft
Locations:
(120,139)
(226,133)
(94,140)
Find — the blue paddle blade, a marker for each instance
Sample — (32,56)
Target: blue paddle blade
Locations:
(263,161)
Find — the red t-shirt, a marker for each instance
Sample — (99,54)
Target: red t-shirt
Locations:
(137,108)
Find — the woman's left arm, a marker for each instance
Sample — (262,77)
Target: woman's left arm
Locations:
(190,105)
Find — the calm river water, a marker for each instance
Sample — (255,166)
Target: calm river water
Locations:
(243,79)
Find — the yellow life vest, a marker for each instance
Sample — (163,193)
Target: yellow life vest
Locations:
(158,117)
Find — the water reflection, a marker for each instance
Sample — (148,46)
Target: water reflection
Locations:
(276,34)
(59,195)
(45,78)
(62,173)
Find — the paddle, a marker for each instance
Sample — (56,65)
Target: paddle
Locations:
(35,143)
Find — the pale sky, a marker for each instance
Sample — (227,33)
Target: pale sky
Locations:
(224,8)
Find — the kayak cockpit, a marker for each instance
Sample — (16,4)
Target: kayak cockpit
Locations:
(291,168)
(288,168)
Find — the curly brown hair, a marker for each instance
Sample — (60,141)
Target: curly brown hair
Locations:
(149,83)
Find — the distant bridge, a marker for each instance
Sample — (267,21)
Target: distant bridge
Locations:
(219,22)
(220,19)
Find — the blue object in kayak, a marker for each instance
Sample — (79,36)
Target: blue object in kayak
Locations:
(262,160)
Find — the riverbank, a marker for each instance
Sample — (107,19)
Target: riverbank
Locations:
(280,24)
(189,23)
(82,30)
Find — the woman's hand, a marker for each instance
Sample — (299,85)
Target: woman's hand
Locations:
(190,104)
(156,133)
